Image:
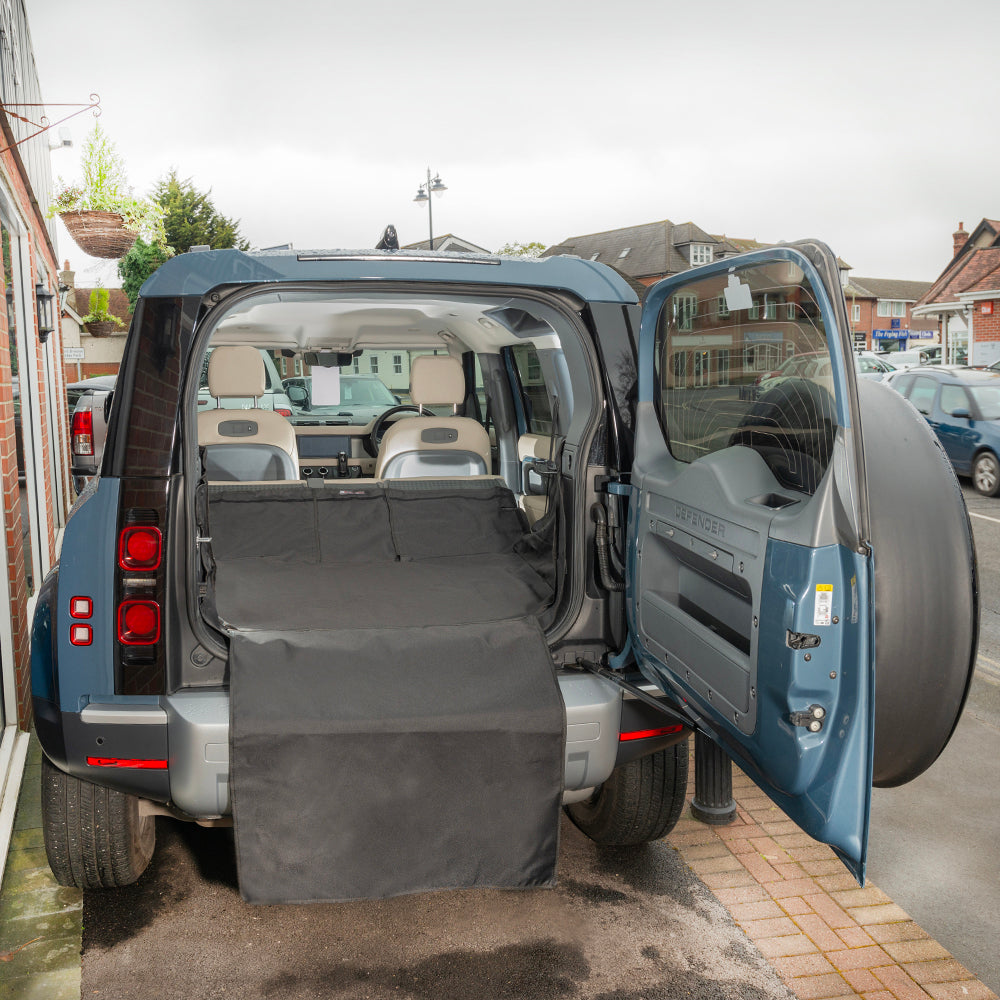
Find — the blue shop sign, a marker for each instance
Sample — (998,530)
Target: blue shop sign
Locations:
(890,334)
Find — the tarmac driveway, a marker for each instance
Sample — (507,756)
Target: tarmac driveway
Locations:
(637,925)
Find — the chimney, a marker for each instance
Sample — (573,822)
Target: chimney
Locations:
(959,237)
(66,276)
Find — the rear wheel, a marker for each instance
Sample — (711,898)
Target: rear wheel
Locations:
(95,838)
(641,801)
(986,474)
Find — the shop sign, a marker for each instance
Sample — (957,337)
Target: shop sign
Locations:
(986,308)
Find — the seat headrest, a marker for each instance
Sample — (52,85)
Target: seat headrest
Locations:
(436,379)
(236,371)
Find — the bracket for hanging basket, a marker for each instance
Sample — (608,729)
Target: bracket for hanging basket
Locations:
(100,234)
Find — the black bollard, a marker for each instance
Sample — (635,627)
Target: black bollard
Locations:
(713,783)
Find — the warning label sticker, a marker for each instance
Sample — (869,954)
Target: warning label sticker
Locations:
(824,604)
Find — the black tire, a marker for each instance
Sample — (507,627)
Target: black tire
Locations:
(641,801)
(986,474)
(95,837)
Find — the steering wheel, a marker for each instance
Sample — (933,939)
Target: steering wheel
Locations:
(374,439)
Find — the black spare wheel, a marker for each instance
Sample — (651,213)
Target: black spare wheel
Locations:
(925,585)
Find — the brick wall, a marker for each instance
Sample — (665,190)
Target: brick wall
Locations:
(87,370)
(48,453)
(986,327)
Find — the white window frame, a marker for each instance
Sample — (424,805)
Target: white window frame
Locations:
(373,364)
(855,313)
(701,253)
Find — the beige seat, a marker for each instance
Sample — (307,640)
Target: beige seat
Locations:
(244,445)
(427,445)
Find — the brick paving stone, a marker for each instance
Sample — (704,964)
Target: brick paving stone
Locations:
(899,983)
(717,849)
(769,849)
(738,831)
(859,958)
(944,971)
(927,950)
(839,880)
(812,852)
(728,880)
(795,904)
(738,846)
(870,896)
(758,867)
(761,910)
(779,827)
(769,928)
(861,980)
(795,839)
(879,995)
(970,989)
(789,870)
(780,947)
(793,966)
(829,911)
(818,931)
(741,894)
(818,987)
(830,867)
(905,930)
(791,887)
(855,937)
(703,866)
(887,913)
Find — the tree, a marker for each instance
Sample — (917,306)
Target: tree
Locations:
(516,249)
(138,264)
(191,218)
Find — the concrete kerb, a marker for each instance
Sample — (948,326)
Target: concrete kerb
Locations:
(824,936)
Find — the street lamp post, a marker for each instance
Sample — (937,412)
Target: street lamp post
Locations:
(433,186)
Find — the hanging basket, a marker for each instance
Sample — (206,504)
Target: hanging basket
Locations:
(102,329)
(100,234)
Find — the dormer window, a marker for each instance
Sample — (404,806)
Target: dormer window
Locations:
(701,253)
(624,253)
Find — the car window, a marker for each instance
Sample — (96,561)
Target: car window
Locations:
(534,395)
(953,397)
(987,399)
(923,393)
(733,377)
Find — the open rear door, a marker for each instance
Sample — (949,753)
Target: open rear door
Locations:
(749,596)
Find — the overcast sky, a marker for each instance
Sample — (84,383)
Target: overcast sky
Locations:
(870,125)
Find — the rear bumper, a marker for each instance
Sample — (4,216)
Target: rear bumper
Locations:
(107,744)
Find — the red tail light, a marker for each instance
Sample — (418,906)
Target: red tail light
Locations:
(140,548)
(83,433)
(282,411)
(138,623)
(147,765)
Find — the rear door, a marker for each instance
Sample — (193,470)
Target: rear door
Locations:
(749,594)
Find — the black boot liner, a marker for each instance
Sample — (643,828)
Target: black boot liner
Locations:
(396,725)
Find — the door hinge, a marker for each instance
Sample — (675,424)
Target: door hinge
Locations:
(811,719)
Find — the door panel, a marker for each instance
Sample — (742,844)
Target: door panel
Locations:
(750,600)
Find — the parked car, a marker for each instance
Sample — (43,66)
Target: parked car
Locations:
(90,404)
(917,356)
(390,675)
(869,365)
(963,409)
(361,399)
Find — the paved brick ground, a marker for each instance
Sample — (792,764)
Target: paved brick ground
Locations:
(795,900)
(825,937)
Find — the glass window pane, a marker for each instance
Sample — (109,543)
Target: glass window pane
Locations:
(759,377)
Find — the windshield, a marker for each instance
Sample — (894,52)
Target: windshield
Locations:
(987,399)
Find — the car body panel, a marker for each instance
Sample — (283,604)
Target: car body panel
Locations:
(705,560)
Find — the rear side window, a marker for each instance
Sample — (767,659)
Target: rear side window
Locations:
(742,359)
(534,395)
(922,394)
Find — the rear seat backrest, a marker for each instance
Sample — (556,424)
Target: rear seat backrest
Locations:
(242,445)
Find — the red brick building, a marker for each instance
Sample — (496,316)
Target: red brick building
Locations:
(966,296)
(881,314)
(34,466)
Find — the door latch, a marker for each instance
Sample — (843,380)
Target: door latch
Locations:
(812,718)
(801,640)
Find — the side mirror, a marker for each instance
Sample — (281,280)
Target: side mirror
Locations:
(961,411)
(298,396)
